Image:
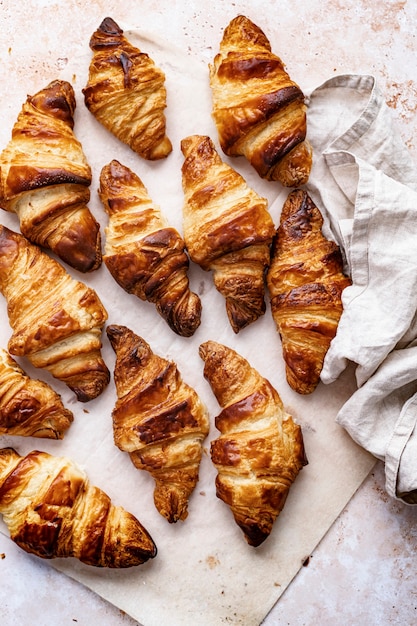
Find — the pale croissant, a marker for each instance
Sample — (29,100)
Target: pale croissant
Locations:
(227,229)
(306,282)
(53,511)
(56,320)
(260,450)
(45,179)
(159,420)
(258,110)
(126,92)
(143,253)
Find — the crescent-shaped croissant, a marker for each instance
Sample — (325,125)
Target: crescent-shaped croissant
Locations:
(159,420)
(56,320)
(126,92)
(45,179)
(260,450)
(305,282)
(143,253)
(227,229)
(258,110)
(52,510)
(29,407)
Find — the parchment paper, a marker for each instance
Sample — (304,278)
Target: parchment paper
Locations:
(204,573)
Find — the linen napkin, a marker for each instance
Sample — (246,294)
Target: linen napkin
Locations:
(366,183)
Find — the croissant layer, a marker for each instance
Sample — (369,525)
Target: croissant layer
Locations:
(126,92)
(56,320)
(159,420)
(258,110)
(143,253)
(52,510)
(45,179)
(260,450)
(306,282)
(227,229)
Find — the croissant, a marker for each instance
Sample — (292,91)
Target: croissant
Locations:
(126,92)
(305,282)
(227,229)
(56,320)
(45,179)
(258,110)
(159,420)
(260,450)
(143,254)
(52,510)
(29,407)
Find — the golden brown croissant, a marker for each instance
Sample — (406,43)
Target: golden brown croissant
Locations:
(159,420)
(227,229)
(29,407)
(305,282)
(52,510)
(56,320)
(144,255)
(126,92)
(45,179)
(258,110)
(260,450)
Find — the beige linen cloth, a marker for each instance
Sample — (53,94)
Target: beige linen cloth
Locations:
(366,183)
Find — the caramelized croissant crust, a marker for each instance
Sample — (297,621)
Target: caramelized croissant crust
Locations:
(143,253)
(126,92)
(260,450)
(258,110)
(159,420)
(45,179)
(227,229)
(29,407)
(305,282)
(52,510)
(56,320)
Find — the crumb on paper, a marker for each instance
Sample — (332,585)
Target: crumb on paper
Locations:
(2,555)
(306,561)
(212,561)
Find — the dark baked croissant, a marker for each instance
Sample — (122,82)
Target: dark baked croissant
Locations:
(258,110)
(305,282)
(227,229)
(56,320)
(29,407)
(260,450)
(52,510)
(45,179)
(126,92)
(144,255)
(159,420)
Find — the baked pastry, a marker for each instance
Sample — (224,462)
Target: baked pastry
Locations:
(258,110)
(29,407)
(56,320)
(260,450)
(159,420)
(126,92)
(305,282)
(52,510)
(143,253)
(45,179)
(227,229)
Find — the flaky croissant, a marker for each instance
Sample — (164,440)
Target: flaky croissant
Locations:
(305,282)
(159,420)
(260,450)
(29,407)
(227,229)
(52,510)
(126,92)
(45,179)
(56,320)
(143,253)
(258,110)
